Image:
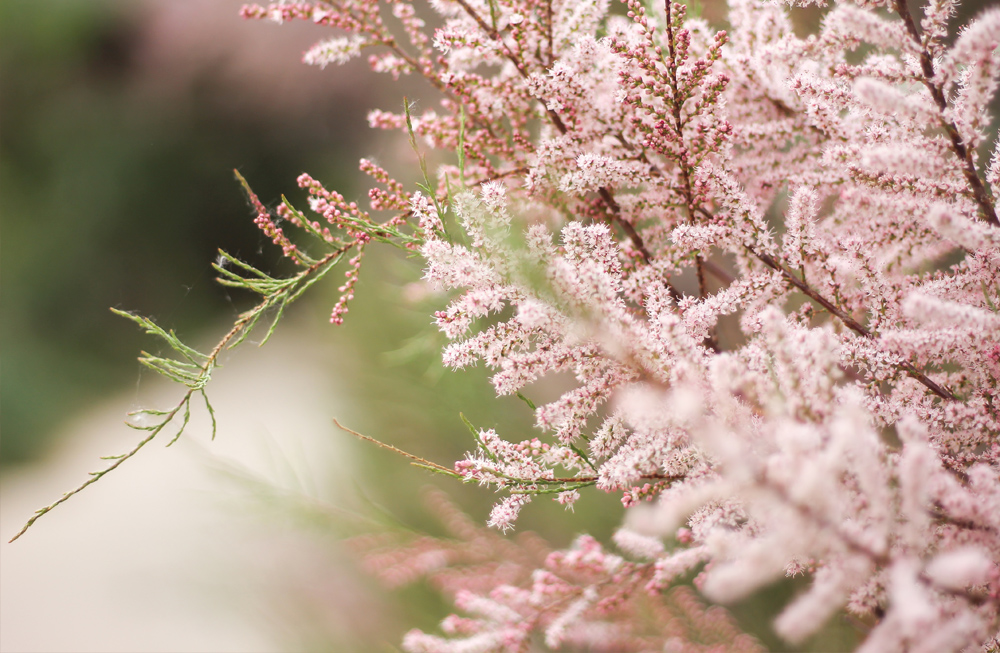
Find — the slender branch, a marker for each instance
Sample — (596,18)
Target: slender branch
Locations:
(194,385)
(839,313)
(422,461)
(849,321)
(717,272)
(519,65)
(851,541)
(551,58)
(96,476)
(962,151)
(606,195)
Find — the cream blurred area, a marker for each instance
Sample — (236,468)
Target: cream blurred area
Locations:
(177,550)
(196,547)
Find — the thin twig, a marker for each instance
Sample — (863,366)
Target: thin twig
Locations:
(961,150)
(849,321)
(584,480)
(422,461)
(206,368)
(96,476)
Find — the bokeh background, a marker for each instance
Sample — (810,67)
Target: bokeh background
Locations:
(120,125)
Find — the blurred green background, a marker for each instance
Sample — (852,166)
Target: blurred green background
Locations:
(117,186)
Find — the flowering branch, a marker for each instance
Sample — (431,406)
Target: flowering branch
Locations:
(195,369)
(593,165)
(962,151)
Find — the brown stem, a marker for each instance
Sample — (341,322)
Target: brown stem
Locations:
(551,58)
(849,321)
(527,481)
(852,542)
(962,151)
(418,459)
(633,235)
(717,272)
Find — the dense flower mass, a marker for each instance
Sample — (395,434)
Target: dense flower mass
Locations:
(771,262)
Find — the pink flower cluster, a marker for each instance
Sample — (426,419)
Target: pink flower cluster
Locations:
(512,588)
(771,265)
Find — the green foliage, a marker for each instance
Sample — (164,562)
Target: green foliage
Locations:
(116,192)
(192,368)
